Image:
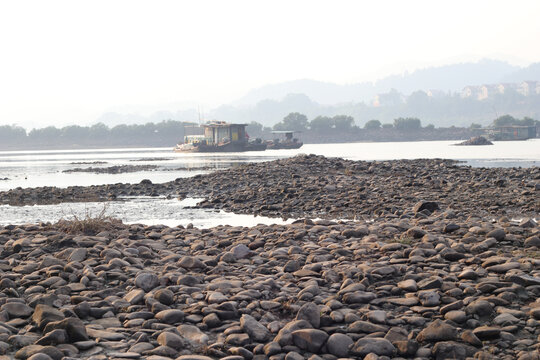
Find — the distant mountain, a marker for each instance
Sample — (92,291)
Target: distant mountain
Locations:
(112,118)
(269,104)
(446,78)
(320,92)
(531,72)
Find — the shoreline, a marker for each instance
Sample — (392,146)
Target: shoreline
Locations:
(75,147)
(320,187)
(440,271)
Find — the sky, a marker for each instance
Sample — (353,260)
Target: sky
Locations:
(66,62)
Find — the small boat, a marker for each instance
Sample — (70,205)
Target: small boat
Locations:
(511,133)
(220,137)
(288,143)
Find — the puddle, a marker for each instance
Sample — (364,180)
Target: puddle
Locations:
(139,210)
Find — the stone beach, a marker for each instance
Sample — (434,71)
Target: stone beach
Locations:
(332,188)
(420,259)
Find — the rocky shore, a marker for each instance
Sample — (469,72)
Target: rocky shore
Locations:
(442,262)
(475,141)
(319,187)
(433,283)
(116,169)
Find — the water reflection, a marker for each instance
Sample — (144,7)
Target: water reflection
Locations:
(136,210)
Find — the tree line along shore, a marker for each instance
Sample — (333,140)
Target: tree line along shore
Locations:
(321,129)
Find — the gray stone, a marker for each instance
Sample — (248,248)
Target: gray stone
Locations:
(193,334)
(254,329)
(55,337)
(17,310)
(241,251)
(171,340)
(40,356)
(366,327)
(170,316)
(452,350)
(190,262)
(505,319)
(164,296)
(311,313)
(497,234)
(43,314)
(78,255)
(456,316)
(377,346)
(487,332)
(429,298)
(480,307)
(74,327)
(163,351)
(408,285)
(293,355)
(134,296)
(532,241)
(146,281)
(338,345)
(431,206)
(291,266)
(284,336)
(311,340)
(358,297)
(377,316)
(272,348)
(437,331)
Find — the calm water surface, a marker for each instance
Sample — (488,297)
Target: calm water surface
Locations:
(45,168)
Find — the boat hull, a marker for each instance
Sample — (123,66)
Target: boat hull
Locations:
(285,146)
(202,148)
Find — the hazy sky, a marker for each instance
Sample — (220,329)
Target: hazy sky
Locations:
(69,61)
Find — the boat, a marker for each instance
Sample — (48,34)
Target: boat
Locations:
(219,136)
(511,133)
(287,143)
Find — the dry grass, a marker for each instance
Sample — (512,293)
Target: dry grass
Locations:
(88,224)
(533,254)
(405,240)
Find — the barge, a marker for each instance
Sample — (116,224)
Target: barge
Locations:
(219,136)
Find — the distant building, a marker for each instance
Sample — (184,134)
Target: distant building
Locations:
(505,87)
(482,92)
(471,92)
(528,88)
(434,93)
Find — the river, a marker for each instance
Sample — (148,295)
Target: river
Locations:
(46,168)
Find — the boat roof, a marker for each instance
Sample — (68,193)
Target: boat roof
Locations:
(221,124)
(285,131)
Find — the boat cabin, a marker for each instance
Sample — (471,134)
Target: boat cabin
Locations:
(289,142)
(288,134)
(217,133)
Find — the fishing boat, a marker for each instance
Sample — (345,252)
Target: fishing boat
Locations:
(219,136)
(286,142)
